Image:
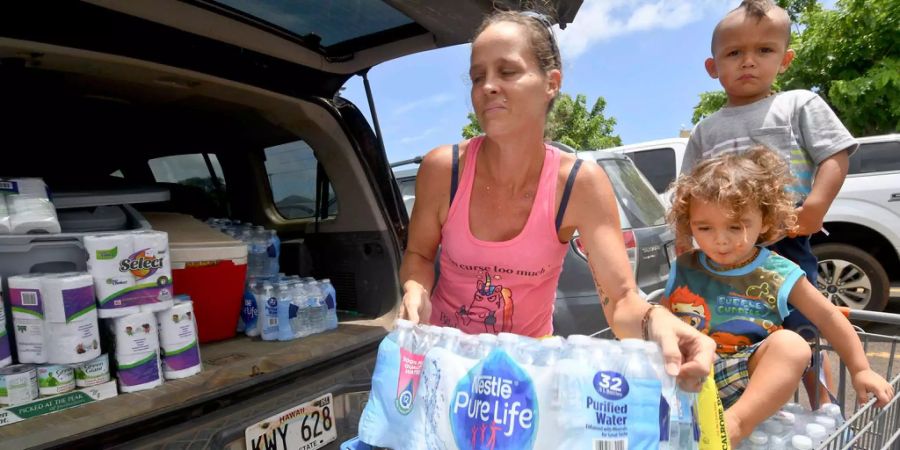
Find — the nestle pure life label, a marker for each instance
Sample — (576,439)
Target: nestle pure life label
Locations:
(494,406)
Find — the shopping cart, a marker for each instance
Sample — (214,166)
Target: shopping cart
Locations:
(867,427)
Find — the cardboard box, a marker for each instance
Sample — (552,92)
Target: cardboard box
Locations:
(47,405)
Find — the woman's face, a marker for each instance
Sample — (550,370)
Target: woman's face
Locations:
(510,92)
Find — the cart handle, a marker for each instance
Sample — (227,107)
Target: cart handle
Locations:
(870,316)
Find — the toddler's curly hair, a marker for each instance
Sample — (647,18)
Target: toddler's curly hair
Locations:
(736,182)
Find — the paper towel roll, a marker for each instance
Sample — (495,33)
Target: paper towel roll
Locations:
(30,209)
(73,342)
(139,372)
(156,307)
(4,216)
(156,267)
(28,318)
(105,254)
(5,353)
(136,334)
(33,187)
(67,296)
(181,362)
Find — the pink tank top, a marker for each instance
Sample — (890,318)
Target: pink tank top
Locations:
(508,286)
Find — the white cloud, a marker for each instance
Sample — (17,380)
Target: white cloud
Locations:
(602,20)
(427,102)
(424,134)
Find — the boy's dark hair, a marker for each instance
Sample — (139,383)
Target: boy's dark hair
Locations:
(757,9)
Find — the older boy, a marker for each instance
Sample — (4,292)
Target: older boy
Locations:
(750,47)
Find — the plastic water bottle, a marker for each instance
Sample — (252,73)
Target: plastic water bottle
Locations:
(759,440)
(256,257)
(669,433)
(816,433)
(449,339)
(486,344)
(330,297)
(273,251)
(285,305)
(548,351)
(801,442)
(318,311)
(269,314)
(250,310)
(468,346)
(300,322)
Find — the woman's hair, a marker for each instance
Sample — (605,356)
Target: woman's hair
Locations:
(736,182)
(540,35)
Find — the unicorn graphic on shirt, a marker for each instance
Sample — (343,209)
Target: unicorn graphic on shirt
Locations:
(492,305)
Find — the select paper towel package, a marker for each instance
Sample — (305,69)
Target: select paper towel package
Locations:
(132,272)
(178,341)
(439,388)
(26,207)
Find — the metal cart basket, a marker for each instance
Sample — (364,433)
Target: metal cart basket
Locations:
(868,427)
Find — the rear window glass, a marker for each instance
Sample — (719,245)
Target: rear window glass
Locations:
(334,21)
(876,157)
(197,171)
(294,176)
(658,165)
(637,200)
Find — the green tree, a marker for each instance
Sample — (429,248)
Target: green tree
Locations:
(850,56)
(570,123)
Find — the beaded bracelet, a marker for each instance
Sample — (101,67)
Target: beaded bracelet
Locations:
(645,321)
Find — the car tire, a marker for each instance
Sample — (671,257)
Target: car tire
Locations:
(841,265)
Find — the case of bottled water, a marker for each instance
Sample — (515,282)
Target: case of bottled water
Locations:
(440,388)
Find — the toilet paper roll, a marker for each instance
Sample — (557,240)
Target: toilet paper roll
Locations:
(139,372)
(73,342)
(181,362)
(150,262)
(105,255)
(176,326)
(67,296)
(112,313)
(93,372)
(28,318)
(157,307)
(136,334)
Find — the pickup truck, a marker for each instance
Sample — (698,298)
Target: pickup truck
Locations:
(232,106)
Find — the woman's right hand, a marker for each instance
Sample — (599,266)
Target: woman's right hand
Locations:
(416,305)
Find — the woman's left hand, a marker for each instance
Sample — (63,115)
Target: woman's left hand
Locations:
(688,354)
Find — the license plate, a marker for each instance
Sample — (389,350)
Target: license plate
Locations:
(309,426)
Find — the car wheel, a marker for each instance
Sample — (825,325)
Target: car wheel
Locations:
(851,277)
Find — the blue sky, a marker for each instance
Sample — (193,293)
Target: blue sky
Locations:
(644,56)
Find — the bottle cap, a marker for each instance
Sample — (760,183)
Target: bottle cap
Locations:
(579,339)
(758,438)
(403,323)
(801,442)
(815,431)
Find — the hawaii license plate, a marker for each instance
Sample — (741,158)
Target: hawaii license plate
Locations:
(309,426)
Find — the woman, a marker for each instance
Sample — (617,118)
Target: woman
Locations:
(504,206)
